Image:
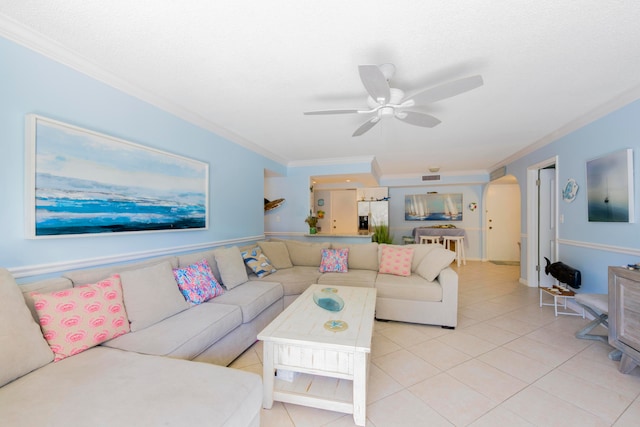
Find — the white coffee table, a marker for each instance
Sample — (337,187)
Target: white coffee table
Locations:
(330,365)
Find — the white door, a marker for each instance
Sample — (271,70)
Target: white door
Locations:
(546,222)
(503,222)
(344,212)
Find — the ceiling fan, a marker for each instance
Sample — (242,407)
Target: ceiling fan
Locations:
(385,101)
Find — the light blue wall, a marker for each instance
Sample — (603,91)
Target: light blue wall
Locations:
(32,83)
(590,246)
(295,189)
(471,221)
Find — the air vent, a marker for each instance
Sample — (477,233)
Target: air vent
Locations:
(431,177)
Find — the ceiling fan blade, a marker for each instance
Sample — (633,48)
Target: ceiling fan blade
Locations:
(375,83)
(418,119)
(447,90)
(311,113)
(366,126)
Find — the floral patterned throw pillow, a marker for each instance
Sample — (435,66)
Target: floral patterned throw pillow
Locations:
(197,282)
(334,260)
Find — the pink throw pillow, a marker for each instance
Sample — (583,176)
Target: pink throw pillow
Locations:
(334,260)
(76,319)
(197,282)
(396,260)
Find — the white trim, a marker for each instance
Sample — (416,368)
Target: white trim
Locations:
(532,218)
(41,269)
(612,105)
(600,247)
(449,173)
(331,161)
(53,50)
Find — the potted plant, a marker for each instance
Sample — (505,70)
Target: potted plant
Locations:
(381,234)
(313,222)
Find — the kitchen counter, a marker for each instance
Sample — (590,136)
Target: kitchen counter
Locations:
(365,236)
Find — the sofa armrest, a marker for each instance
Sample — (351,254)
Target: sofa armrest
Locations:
(448,280)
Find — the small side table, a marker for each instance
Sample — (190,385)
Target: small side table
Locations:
(557,293)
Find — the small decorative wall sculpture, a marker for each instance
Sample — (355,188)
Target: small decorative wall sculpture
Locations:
(81,182)
(570,191)
(610,187)
(433,207)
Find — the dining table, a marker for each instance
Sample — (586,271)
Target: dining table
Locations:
(437,231)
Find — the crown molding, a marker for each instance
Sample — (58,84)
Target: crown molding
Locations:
(614,104)
(53,50)
(332,161)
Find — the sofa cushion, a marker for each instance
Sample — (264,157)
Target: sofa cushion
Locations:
(92,275)
(107,387)
(188,259)
(252,297)
(184,335)
(437,260)
(277,253)
(151,294)
(22,346)
(396,260)
(294,280)
(362,278)
(43,286)
(413,288)
(231,266)
(257,261)
(196,282)
(362,256)
(306,254)
(334,260)
(420,251)
(76,319)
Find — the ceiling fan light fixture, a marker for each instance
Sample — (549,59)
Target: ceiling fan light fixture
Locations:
(388,70)
(385,112)
(385,101)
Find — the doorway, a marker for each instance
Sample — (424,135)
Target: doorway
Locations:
(542,220)
(337,211)
(502,207)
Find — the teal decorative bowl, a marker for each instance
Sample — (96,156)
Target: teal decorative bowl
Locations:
(328,299)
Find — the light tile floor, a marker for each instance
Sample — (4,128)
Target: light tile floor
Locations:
(508,363)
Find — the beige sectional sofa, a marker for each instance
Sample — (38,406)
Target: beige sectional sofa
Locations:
(148,376)
(429,295)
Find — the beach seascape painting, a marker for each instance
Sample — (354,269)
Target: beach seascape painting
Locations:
(82,183)
(610,188)
(433,207)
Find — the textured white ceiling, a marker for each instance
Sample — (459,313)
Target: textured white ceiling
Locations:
(248,69)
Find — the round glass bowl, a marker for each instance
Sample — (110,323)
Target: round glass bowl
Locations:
(328,299)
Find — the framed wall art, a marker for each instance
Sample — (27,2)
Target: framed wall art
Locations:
(610,187)
(82,183)
(433,207)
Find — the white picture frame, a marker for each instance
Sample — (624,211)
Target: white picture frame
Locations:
(84,183)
